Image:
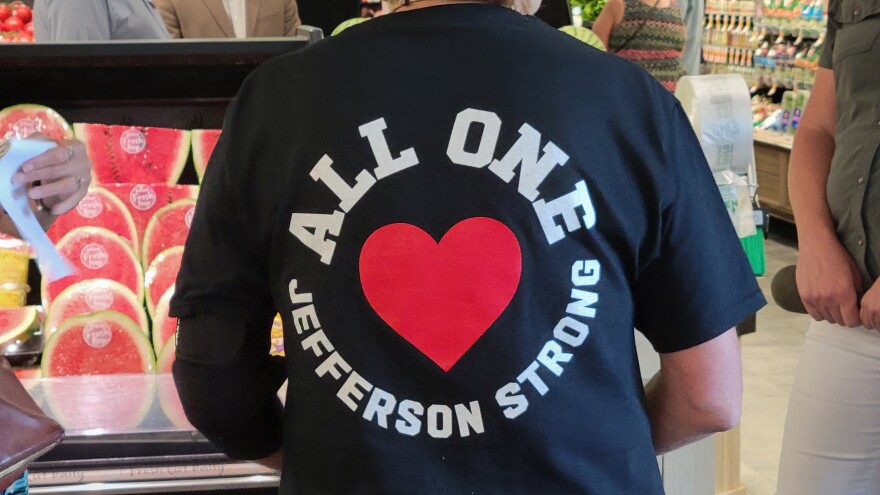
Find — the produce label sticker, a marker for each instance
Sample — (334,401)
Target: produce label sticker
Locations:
(93,256)
(97,334)
(142,197)
(133,141)
(99,299)
(25,127)
(90,206)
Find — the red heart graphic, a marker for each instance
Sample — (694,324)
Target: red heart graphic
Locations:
(441,297)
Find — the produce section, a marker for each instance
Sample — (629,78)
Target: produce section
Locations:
(775,45)
(107,333)
(16,23)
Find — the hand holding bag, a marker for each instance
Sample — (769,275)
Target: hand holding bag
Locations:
(26,433)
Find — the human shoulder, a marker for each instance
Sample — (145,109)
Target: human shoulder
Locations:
(616,6)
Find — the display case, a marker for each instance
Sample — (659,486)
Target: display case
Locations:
(127,433)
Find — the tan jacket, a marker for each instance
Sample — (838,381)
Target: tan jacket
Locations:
(208,18)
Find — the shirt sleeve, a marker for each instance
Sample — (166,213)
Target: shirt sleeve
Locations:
(63,20)
(226,379)
(699,284)
(291,18)
(169,16)
(826,59)
(692,11)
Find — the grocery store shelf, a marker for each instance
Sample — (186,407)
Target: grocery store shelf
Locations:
(783,141)
(143,53)
(140,77)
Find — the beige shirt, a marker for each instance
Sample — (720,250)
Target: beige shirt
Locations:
(237,11)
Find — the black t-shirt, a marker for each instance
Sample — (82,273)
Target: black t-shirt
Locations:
(461,215)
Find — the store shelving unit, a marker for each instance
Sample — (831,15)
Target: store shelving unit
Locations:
(775,45)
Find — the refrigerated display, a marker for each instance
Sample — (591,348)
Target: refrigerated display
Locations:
(127,433)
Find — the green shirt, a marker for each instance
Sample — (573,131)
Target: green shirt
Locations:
(852,51)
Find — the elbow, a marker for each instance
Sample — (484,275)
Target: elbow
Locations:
(724,418)
(718,415)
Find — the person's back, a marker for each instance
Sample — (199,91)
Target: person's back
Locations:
(460,222)
(653,35)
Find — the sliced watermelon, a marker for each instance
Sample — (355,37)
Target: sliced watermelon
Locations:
(102,343)
(18,324)
(28,374)
(203,143)
(96,253)
(105,403)
(160,275)
(99,208)
(20,121)
(164,326)
(169,399)
(144,155)
(168,228)
(90,296)
(166,357)
(144,200)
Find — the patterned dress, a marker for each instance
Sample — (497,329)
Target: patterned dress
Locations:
(656,37)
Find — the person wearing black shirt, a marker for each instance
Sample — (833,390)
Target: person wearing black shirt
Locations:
(461,214)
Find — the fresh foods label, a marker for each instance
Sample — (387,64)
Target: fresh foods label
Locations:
(25,127)
(99,299)
(142,197)
(93,256)
(188,218)
(90,207)
(132,141)
(97,334)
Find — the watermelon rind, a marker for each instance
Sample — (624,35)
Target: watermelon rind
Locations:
(139,293)
(130,225)
(145,350)
(182,158)
(162,195)
(152,226)
(150,276)
(166,357)
(178,159)
(347,24)
(53,321)
(584,34)
(27,320)
(108,404)
(200,157)
(162,308)
(51,113)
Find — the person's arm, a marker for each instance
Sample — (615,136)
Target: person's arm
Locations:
(609,18)
(291,17)
(225,377)
(169,17)
(827,277)
(227,383)
(87,20)
(690,294)
(697,392)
